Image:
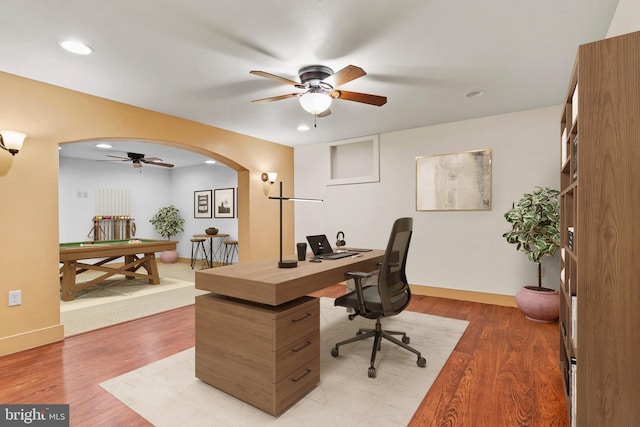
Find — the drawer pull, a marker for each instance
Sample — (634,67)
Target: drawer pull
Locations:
(295,380)
(307,344)
(300,319)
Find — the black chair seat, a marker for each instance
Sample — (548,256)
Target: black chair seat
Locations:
(371,301)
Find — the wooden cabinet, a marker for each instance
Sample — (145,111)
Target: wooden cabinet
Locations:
(268,356)
(600,228)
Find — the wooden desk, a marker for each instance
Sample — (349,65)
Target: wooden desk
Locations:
(214,255)
(107,251)
(258,335)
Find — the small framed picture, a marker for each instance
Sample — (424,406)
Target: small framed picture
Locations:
(202,204)
(224,203)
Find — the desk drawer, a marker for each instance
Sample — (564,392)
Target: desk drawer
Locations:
(291,357)
(297,324)
(296,385)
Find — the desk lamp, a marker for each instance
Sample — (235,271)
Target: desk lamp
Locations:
(288,263)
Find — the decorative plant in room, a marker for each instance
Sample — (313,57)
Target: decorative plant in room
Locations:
(168,222)
(535,230)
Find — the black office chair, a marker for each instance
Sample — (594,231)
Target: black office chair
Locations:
(390,296)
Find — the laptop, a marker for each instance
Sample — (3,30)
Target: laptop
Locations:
(322,248)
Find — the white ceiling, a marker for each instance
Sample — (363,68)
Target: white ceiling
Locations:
(191,58)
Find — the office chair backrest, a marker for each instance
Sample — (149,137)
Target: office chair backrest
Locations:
(392,280)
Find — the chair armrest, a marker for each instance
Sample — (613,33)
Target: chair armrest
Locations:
(357,277)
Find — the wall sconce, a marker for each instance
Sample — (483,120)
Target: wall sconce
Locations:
(269,176)
(11,141)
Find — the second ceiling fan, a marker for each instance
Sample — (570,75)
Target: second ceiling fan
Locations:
(320,88)
(138,159)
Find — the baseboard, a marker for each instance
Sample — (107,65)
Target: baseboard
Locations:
(31,339)
(481,297)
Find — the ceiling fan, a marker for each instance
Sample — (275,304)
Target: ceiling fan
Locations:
(319,84)
(138,159)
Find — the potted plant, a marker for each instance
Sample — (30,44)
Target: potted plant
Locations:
(535,230)
(168,222)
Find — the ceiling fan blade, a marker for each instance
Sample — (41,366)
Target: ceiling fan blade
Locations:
(276,98)
(126,159)
(156,163)
(364,98)
(151,159)
(274,77)
(348,73)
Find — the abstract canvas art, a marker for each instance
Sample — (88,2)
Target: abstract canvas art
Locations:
(454,182)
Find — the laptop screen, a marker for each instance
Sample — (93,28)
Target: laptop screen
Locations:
(319,244)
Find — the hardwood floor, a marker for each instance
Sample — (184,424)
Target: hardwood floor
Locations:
(503,372)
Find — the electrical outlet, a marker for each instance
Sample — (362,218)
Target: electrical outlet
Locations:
(15,298)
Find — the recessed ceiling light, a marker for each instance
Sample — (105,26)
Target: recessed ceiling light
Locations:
(103,145)
(75,46)
(474,93)
(210,162)
(303,128)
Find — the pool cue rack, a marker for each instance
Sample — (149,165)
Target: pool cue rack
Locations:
(112,227)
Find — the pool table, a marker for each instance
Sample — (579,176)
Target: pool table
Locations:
(136,252)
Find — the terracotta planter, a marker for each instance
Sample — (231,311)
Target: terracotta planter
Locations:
(537,305)
(169,257)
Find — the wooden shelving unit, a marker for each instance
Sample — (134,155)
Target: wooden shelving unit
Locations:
(600,235)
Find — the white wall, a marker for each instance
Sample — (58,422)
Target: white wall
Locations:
(626,18)
(457,250)
(150,190)
(184,181)
(86,177)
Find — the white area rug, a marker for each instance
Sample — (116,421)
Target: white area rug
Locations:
(120,300)
(167,393)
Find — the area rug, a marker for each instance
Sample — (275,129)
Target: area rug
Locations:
(120,300)
(167,393)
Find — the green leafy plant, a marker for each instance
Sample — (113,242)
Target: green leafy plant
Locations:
(535,225)
(167,221)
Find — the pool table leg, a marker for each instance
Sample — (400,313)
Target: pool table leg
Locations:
(128,259)
(68,285)
(152,268)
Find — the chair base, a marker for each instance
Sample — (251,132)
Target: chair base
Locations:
(378,334)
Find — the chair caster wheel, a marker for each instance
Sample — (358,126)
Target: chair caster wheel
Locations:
(359,333)
(334,352)
(406,339)
(372,373)
(422,362)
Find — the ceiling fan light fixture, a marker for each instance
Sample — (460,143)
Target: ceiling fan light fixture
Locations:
(315,102)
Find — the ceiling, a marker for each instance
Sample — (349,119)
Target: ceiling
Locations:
(191,58)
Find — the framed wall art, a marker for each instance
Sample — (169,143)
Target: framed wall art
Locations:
(224,203)
(202,204)
(454,182)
